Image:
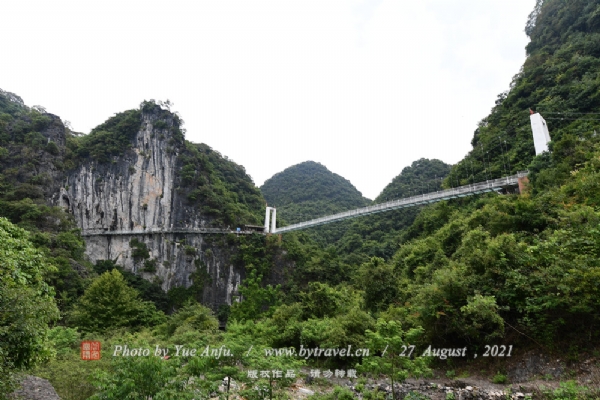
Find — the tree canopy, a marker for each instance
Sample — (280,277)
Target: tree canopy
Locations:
(27,303)
(109,303)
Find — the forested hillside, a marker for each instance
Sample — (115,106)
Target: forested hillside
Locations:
(32,154)
(515,267)
(560,79)
(37,152)
(507,270)
(309,190)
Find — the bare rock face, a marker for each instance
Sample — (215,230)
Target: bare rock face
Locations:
(176,256)
(34,388)
(137,193)
(133,193)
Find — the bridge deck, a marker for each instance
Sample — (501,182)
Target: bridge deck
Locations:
(461,191)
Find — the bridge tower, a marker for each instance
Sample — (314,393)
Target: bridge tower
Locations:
(268,218)
(541,136)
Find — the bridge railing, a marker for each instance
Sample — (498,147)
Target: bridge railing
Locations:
(106,232)
(461,191)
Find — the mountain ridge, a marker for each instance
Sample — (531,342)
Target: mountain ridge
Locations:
(308,189)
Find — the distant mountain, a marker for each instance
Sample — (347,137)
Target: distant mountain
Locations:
(309,190)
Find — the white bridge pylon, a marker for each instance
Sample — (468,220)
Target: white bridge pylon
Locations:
(273,221)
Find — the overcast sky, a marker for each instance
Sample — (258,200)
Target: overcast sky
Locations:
(364,87)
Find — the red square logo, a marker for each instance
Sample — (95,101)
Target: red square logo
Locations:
(90,350)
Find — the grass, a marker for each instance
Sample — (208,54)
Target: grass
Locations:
(570,390)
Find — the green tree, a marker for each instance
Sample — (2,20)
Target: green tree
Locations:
(380,283)
(393,347)
(256,299)
(195,315)
(236,341)
(109,303)
(137,379)
(26,304)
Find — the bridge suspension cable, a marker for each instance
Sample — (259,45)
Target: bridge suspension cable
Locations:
(462,191)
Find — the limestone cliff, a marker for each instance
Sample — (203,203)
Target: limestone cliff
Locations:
(117,202)
(132,186)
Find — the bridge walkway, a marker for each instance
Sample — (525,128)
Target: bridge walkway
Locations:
(106,232)
(461,191)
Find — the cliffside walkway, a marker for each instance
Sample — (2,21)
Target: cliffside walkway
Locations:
(103,232)
(461,191)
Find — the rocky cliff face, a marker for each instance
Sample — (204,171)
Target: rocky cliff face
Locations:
(132,185)
(116,203)
(133,193)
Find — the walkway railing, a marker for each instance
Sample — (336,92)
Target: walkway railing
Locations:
(461,191)
(106,232)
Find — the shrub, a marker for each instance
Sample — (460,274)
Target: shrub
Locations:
(149,266)
(160,124)
(31,305)
(190,251)
(195,315)
(140,250)
(570,390)
(500,378)
(52,148)
(63,339)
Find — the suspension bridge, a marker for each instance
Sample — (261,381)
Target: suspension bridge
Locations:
(496,185)
(541,137)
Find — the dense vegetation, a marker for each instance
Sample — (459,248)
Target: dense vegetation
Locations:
(379,235)
(109,139)
(561,80)
(309,190)
(219,187)
(27,304)
(30,163)
(521,270)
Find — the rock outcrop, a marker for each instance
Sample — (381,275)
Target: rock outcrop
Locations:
(139,192)
(34,388)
